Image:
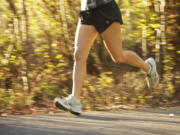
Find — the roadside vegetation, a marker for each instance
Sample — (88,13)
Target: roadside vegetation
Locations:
(36,56)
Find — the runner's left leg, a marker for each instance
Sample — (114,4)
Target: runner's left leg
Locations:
(113,42)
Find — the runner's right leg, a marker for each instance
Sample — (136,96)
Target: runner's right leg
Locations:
(84,39)
(85,36)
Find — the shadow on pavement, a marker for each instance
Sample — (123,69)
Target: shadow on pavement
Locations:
(125,118)
(32,130)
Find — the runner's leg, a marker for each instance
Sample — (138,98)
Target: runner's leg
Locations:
(113,42)
(84,39)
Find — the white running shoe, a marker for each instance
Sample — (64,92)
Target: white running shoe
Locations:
(70,103)
(152,76)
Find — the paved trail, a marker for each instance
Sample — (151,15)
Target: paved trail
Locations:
(122,122)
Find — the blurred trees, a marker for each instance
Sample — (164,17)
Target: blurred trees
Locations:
(173,46)
(36,53)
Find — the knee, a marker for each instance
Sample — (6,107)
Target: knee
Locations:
(80,56)
(118,60)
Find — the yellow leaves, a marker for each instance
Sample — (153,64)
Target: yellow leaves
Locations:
(38,49)
(84,102)
(46,55)
(63,77)
(142,21)
(133,100)
(154,25)
(167,67)
(4,62)
(65,91)
(98,98)
(170,86)
(167,60)
(170,48)
(50,65)
(105,80)
(92,88)
(59,56)
(41,48)
(19,47)
(13,58)
(48,71)
(59,65)
(124,97)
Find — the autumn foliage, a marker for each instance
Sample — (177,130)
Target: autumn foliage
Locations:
(36,55)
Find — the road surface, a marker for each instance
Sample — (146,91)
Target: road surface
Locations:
(121,122)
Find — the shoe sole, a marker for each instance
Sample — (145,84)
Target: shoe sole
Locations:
(61,107)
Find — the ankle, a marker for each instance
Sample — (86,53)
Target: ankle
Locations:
(147,68)
(75,96)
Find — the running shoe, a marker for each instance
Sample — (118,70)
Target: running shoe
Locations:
(70,103)
(152,76)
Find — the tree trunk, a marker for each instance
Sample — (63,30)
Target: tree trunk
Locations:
(158,32)
(64,23)
(144,41)
(26,46)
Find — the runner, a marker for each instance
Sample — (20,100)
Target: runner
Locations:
(101,17)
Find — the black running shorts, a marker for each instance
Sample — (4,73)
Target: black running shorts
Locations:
(102,17)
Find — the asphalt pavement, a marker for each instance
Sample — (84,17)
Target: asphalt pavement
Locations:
(121,122)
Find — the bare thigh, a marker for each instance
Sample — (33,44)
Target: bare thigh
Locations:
(84,39)
(113,41)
